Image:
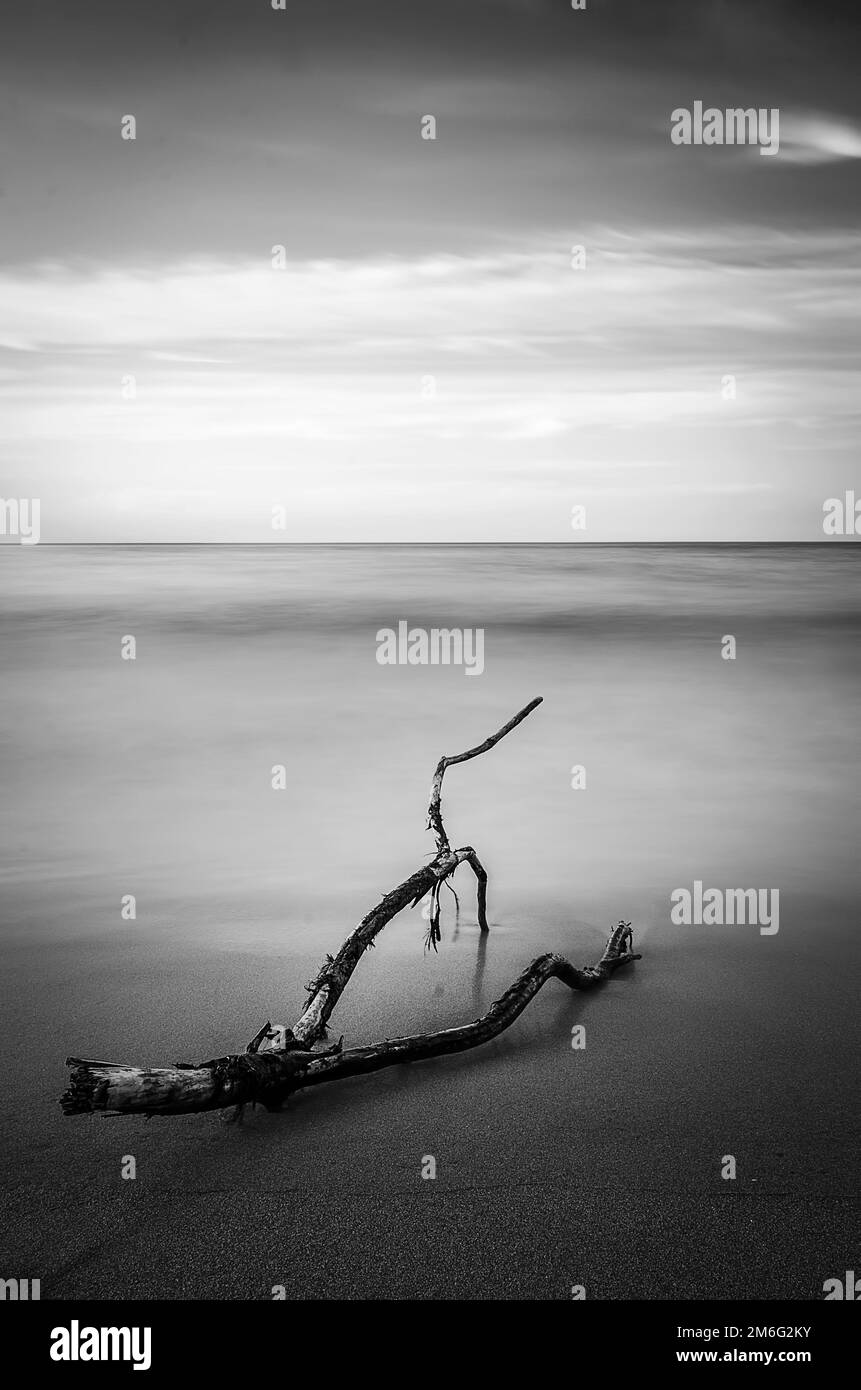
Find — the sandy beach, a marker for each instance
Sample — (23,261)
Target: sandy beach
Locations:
(555,1166)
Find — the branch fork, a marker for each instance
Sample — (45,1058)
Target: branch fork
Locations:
(280,1059)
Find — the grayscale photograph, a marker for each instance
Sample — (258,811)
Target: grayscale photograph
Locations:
(429,624)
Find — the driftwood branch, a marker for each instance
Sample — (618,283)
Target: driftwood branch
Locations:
(434,809)
(280,1060)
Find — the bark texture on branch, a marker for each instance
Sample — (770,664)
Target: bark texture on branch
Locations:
(269,1078)
(280,1060)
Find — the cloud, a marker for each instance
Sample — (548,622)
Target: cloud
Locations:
(735,284)
(368,393)
(505,348)
(818,139)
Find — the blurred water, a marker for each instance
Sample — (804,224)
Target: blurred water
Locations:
(154,775)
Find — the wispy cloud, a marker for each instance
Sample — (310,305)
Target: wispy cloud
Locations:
(740,281)
(818,139)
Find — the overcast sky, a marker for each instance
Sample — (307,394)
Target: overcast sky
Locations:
(429,365)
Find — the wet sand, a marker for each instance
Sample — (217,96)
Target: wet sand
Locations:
(555,1167)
